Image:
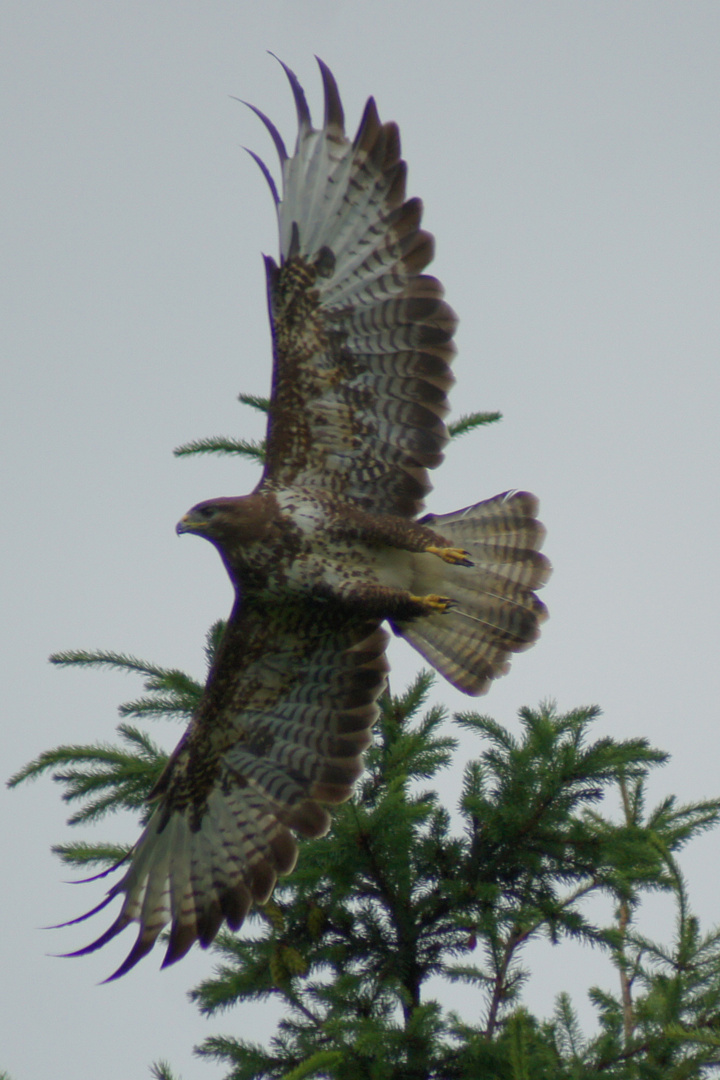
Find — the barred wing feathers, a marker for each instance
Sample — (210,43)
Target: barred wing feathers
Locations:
(287,712)
(362,339)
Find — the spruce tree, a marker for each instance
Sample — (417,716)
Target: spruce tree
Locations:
(396,895)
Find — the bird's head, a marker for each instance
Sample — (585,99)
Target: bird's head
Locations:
(228,523)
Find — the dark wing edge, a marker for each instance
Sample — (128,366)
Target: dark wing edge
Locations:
(295,742)
(362,338)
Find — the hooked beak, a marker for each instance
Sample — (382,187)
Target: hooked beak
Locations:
(189,523)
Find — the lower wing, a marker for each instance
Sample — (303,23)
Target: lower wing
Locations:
(287,711)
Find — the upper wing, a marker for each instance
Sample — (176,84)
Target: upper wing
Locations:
(362,339)
(286,714)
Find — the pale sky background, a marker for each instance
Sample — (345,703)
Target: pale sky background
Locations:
(568,154)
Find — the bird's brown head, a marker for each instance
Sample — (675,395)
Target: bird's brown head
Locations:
(228,523)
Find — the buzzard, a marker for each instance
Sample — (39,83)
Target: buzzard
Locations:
(329,546)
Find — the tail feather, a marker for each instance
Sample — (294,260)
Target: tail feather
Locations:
(495,610)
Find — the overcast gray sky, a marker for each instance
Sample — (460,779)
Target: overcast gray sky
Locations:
(568,154)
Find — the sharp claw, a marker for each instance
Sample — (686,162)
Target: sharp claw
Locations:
(433,603)
(456,556)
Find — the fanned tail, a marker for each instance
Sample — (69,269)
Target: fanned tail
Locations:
(495,610)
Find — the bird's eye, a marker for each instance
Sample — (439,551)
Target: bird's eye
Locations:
(207,512)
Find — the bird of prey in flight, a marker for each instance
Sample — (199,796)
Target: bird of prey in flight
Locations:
(329,546)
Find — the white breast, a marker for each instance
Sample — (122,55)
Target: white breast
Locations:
(302,510)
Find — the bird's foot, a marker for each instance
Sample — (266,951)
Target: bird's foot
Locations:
(456,556)
(432,604)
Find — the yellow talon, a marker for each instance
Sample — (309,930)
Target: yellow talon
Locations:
(433,603)
(451,555)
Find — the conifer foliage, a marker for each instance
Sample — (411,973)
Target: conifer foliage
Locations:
(406,895)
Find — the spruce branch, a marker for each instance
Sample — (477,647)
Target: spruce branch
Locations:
(83,855)
(158,678)
(160,1070)
(102,776)
(471,421)
(262,404)
(223,445)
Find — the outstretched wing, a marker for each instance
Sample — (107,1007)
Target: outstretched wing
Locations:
(362,339)
(286,714)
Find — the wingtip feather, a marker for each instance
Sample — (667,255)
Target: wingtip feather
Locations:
(140,949)
(266,173)
(368,128)
(273,131)
(334,114)
(301,105)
